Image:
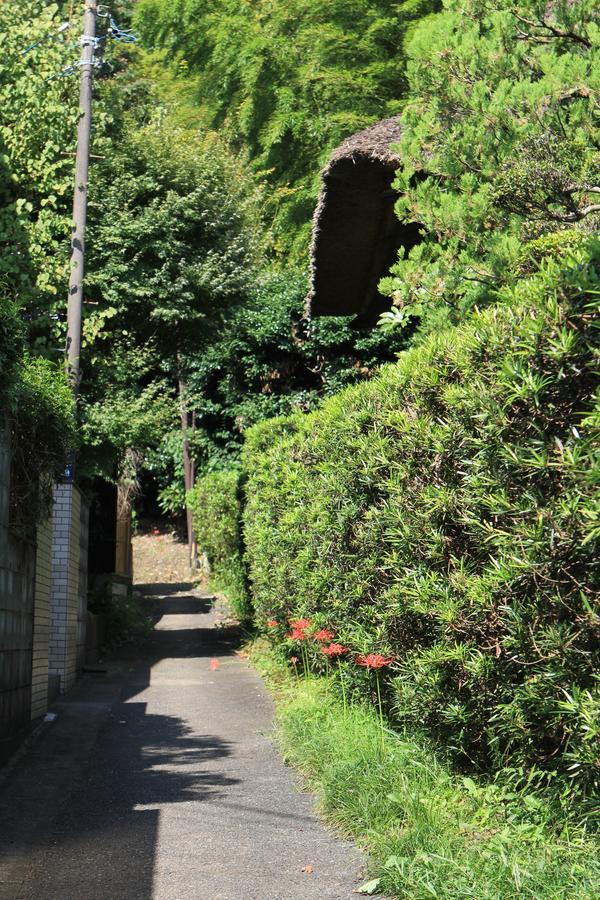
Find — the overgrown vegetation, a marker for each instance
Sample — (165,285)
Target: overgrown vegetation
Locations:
(441,512)
(287,81)
(429,833)
(42,434)
(499,146)
(216,507)
(444,514)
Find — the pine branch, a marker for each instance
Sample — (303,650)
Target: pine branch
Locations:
(554,31)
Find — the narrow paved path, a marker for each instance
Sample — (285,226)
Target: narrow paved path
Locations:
(159,781)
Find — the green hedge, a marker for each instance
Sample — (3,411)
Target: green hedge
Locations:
(446,513)
(216,509)
(36,406)
(39,408)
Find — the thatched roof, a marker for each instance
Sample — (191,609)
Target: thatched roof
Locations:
(356,234)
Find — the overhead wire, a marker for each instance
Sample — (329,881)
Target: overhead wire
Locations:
(114,32)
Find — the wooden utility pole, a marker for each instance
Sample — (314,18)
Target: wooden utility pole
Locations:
(80,197)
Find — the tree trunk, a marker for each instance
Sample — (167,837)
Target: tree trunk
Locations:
(188,474)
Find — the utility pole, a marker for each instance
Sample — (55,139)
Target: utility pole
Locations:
(80,197)
(68,599)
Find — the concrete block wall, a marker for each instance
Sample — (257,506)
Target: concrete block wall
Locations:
(17,559)
(64,605)
(41,620)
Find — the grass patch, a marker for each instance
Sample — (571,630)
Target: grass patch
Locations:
(429,832)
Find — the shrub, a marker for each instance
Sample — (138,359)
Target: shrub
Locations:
(42,425)
(216,508)
(10,344)
(445,513)
(127,619)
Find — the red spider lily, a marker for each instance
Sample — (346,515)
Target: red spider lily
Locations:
(323,635)
(298,634)
(374,661)
(272,623)
(334,650)
(300,624)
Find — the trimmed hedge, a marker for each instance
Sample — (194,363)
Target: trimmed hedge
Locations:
(446,513)
(216,510)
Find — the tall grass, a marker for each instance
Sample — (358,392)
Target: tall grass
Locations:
(429,833)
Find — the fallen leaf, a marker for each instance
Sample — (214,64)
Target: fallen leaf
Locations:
(308,869)
(214,664)
(369,888)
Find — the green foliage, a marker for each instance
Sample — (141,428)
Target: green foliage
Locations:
(445,513)
(216,508)
(42,434)
(288,80)
(127,618)
(173,238)
(266,361)
(126,415)
(429,834)
(10,345)
(37,138)
(499,145)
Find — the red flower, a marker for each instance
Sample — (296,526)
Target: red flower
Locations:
(334,650)
(272,623)
(300,624)
(297,635)
(374,661)
(323,635)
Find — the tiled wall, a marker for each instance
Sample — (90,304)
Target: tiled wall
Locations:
(41,620)
(66,524)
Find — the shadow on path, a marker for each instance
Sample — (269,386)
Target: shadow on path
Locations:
(79,816)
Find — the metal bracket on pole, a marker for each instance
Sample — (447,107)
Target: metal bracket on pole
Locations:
(88,40)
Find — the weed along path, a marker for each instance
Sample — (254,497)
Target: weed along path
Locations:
(159,781)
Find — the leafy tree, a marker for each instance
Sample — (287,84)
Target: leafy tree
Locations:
(287,80)
(37,134)
(500,145)
(179,270)
(173,237)
(268,361)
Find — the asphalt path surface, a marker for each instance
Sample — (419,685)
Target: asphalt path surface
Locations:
(159,781)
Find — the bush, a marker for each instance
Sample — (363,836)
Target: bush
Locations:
(127,619)
(10,344)
(216,508)
(445,513)
(40,412)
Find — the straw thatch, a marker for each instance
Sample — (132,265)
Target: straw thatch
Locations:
(356,234)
